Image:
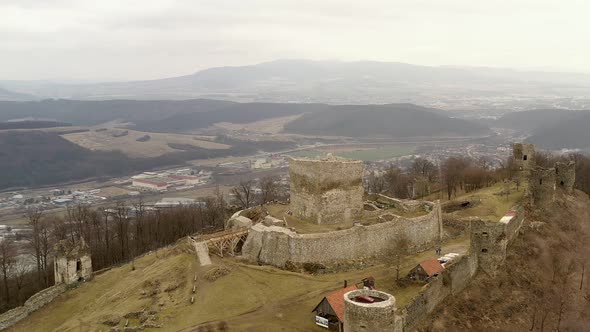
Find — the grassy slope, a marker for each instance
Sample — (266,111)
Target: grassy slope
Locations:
(250,298)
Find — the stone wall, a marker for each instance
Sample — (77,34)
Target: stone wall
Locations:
(565,173)
(542,186)
(490,239)
(72,270)
(377,316)
(277,245)
(454,279)
(326,191)
(34,303)
(523,156)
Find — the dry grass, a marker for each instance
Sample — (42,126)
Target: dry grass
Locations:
(156,146)
(249,298)
(267,126)
(492,207)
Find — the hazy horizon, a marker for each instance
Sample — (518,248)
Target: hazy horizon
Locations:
(135,40)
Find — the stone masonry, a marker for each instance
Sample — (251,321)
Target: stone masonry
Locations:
(542,186)
(524,156)
(380,315)
(72,262)
(565,172)
(326,191)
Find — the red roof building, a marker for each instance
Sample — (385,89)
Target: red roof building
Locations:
(331,308)
(426,270)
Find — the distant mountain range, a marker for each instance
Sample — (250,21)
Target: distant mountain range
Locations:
(15,96)
(359,82)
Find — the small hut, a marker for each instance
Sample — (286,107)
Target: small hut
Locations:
(426,270)
(330,311)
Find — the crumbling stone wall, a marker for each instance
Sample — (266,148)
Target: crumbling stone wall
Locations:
(34,303)
(490,239)
(565,173)
(523,156)
(326,191)
(278,245)
(542,186)
(453,279)
(377,316)
(72,262)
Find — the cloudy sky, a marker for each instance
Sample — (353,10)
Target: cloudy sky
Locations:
(144,39)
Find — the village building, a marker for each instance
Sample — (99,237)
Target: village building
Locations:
(426,270)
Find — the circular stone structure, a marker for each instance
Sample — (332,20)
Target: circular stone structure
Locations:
(361,315)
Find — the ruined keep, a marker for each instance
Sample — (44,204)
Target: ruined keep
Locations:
(326,191)
(72,262)
(380,315)
(490,239)
(524,156)
(542,186)
(565,173)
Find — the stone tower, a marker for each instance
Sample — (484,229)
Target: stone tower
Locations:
(326,191)
(524,156)
(72,262)
(380,315)
(565,173)
(542,186)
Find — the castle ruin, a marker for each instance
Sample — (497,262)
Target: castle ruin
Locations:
(380,315)
(72,262)
(326,191)
(523,156)
(542,186)
(565,173)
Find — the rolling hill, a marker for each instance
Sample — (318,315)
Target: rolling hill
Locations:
(393,120)
(570,133)
(529,121)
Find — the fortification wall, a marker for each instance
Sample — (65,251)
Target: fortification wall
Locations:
(524,156)
(490,239)
(454,279)
(542,186)
(565,173)
(326,191)
(33,304)
(277,245)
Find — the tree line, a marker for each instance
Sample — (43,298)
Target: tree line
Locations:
(115,235)
(423,177)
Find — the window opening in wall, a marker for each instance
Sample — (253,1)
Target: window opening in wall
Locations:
(557,171)
(484,233)
(78,266)
(540,181)
(484,250)
(561,183)
(525,157)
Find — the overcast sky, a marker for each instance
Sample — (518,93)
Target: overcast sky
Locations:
(144,39)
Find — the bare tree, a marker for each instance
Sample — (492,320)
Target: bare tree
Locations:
(20,272)
(398,251)
(7,260)
(269,189)
(34,216)
(243,194)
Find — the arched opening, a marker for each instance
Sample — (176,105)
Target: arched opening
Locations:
(525,157)
(78,266)
(562,183)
